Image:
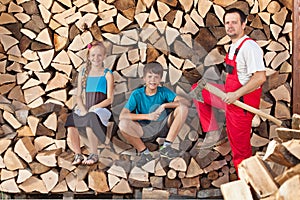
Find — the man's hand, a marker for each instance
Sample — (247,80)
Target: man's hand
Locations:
(230,97)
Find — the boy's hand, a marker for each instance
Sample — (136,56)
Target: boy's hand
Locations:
(155,115)
(160,109)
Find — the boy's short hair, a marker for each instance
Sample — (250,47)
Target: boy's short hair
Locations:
(242,15)
(153,67)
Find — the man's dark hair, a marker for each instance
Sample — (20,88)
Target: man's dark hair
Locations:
(153,67)
(242,15)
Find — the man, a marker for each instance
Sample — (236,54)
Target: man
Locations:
(146,115)
(245,75)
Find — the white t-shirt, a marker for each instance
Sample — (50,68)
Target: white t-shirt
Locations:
(249,59)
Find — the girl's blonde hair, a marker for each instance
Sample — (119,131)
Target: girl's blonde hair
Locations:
(88,63)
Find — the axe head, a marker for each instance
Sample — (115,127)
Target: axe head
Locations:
(196,93)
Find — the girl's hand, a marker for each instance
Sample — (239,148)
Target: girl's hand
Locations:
(83,112)
(92,109)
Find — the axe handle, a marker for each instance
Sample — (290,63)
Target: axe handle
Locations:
(216,91)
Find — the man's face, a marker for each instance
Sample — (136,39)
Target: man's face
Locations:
(233,26)
(152,80)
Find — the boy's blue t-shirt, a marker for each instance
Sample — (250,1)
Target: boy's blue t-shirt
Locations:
(140,103)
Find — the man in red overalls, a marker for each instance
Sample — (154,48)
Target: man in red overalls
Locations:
(245,75)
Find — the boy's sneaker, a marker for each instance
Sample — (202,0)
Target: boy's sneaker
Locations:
(169,152)
(144,158)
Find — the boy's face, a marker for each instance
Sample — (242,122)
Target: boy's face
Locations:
(152,80)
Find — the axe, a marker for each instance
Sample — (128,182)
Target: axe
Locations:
(196,93)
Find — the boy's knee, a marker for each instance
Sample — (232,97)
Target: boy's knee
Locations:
(123,124)
(183,109)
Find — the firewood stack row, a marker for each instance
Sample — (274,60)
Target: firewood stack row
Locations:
(43,45)
(273,174)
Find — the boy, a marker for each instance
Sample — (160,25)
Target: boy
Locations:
(146,115)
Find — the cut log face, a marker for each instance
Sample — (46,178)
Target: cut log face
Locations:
(247,171)
(25,149)
(98,181)
(236,189)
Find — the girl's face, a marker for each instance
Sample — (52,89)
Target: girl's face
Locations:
(96,55)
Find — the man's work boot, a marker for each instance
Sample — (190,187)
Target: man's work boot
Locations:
(214,138)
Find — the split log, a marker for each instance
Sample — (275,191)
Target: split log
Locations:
(296,121)
(150,193)
(159,170)
(236,190)
(156,182)
(23,175)
(191,182)
(193,169)
(65,160)
(112,180)
(280,179)
(12,161)
(25,149)
(290,188)
(10,186)
(138,177)
(60,187)
(48,158)
(178,164)
(286,134)
(220,181)
(278,153)
(38,168)
(117,171)
(33,184)
(248,170)
(122,187)
(6,174)
(98,181)
(50,179)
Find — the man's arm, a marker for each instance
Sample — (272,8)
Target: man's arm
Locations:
(257,79)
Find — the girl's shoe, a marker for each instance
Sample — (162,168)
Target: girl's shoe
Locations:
(78,158)
(91,159)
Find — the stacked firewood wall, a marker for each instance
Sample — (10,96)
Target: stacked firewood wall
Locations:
(43,44)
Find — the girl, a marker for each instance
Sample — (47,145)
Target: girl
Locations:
(94,98)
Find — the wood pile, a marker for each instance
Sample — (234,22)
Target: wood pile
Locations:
(273,174)
(43,45)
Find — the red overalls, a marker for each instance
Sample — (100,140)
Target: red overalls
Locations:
(238,121)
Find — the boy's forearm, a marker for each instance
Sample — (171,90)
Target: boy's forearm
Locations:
(133,116)
(177,103)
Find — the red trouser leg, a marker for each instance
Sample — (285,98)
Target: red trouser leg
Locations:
(239,132)
(205,111)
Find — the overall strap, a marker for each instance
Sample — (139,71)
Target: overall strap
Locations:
(107,70)
(239,47)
